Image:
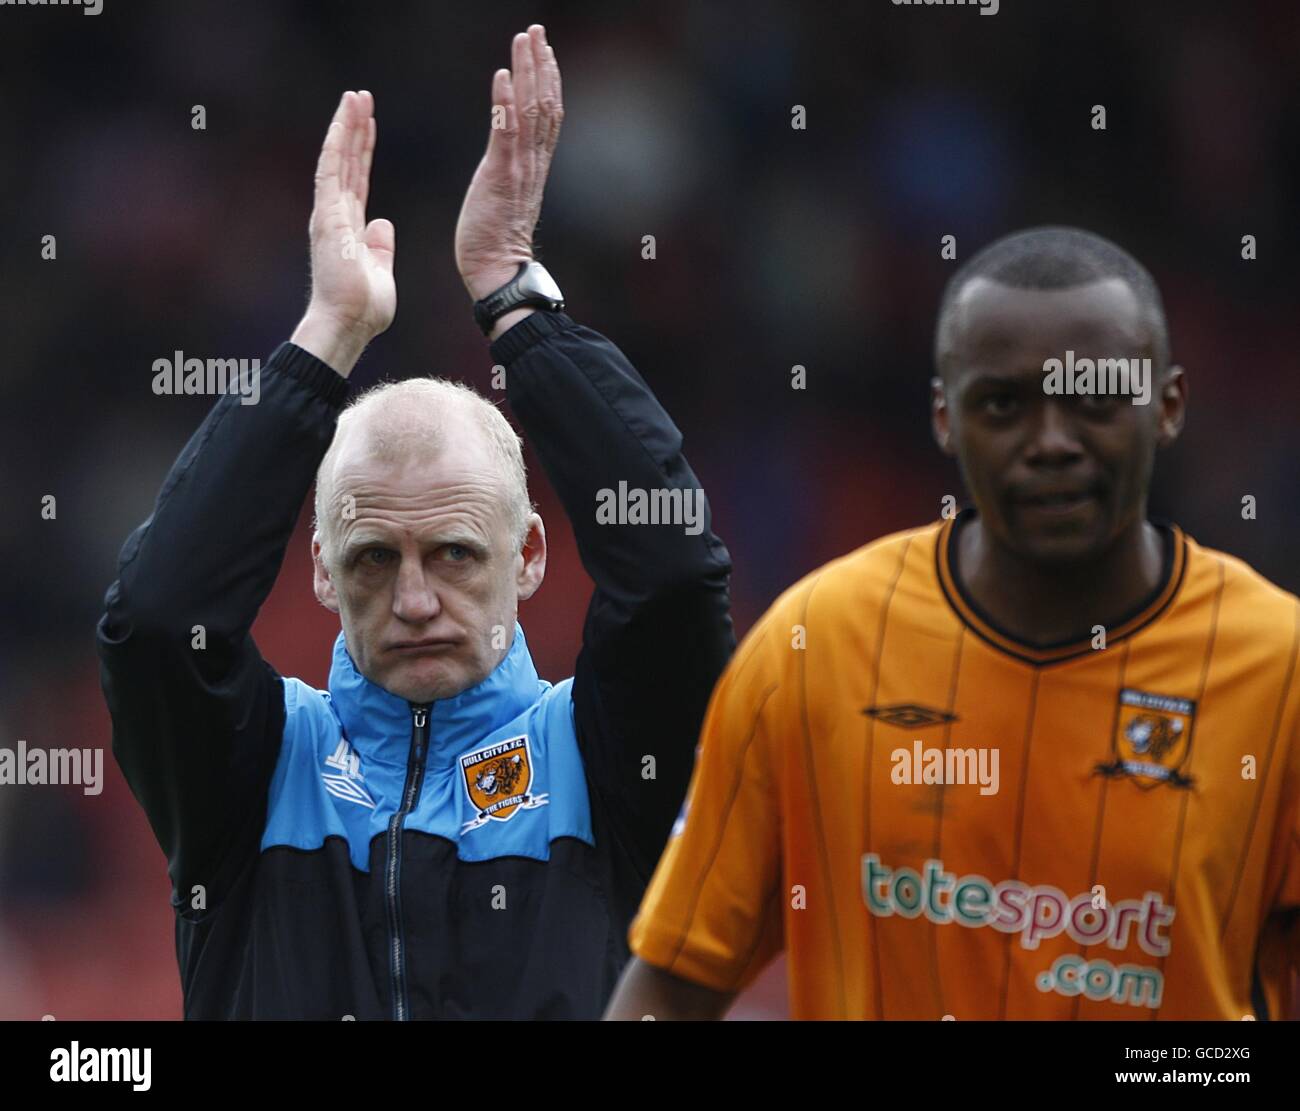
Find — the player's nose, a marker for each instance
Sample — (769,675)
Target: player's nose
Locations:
(1053,434)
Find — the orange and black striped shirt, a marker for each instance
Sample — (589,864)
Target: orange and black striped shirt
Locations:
(934,819)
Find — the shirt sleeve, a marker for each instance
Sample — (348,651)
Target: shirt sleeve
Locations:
(713,912)
(198,714)
(658,629)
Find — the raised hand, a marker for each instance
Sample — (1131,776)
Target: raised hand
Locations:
(495,231)
(353,294)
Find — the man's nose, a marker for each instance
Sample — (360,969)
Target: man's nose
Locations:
(415,599)
(1053,436)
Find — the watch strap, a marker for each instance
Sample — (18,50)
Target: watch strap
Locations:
(496,304)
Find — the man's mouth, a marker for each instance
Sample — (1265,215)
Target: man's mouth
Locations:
(420,647)
(1057,503)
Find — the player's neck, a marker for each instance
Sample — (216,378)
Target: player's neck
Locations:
(1052,604)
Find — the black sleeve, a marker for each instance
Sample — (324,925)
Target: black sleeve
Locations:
(197,726)
(658,630)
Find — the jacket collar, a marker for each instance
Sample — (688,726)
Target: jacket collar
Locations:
(378,723)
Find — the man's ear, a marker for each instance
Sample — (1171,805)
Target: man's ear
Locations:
(532,564)
(323,584)
(940,424)
(1173,406)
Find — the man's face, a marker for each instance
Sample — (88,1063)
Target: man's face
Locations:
(426,577)
(1054,477)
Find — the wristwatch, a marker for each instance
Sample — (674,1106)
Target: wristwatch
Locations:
(532,285)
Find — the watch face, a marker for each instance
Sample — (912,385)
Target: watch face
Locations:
(535,280)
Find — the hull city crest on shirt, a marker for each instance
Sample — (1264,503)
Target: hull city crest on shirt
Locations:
(1152,740)
(498,780)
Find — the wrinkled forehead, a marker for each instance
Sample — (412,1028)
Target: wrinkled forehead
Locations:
(1002,330)
(456,473)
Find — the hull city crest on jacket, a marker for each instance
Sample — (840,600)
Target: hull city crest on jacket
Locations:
(497,780)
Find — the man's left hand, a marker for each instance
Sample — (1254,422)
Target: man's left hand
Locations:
(494,234)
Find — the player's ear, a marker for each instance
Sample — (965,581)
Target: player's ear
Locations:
(1173,406)
(940,425)
(322,582)
(532,559)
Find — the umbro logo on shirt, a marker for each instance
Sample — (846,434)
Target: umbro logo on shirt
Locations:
(909,715)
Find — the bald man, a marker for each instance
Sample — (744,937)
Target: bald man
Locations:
(441,833)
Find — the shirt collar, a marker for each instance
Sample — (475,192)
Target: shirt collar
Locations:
(378,723)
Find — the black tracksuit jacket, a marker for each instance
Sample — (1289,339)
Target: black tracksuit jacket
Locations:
(284,910)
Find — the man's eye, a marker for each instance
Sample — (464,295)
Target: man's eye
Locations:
(455,553)
(999,404)
(1097,402)
(375,557)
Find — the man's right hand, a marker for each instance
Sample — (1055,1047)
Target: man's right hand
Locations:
(353,294)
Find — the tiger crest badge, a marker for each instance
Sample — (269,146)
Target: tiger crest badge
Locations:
(1152,740)
(498,780)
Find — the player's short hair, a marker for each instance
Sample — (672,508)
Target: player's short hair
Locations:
(1054,257)
(406,421)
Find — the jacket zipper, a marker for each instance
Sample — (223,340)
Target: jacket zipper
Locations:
(393,866)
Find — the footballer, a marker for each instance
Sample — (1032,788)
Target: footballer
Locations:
(1140,857)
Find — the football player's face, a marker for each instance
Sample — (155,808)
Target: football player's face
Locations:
(1055,477)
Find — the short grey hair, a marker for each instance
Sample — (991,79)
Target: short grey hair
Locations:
(407,420)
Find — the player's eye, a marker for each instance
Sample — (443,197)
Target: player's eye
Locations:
(1097,404)
(999,404)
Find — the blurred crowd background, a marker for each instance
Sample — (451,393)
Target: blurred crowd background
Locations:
(775,247)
